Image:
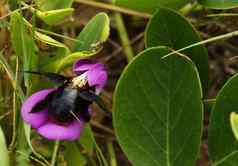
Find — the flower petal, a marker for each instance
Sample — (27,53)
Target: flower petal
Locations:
(55,131)
(97,76)
(38,118)
(83,65)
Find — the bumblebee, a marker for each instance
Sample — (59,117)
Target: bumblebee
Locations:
(70,100)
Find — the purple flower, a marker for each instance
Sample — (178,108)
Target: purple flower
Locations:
(96,77)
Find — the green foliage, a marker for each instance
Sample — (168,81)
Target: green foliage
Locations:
(150,6)
(222,142)
(161,31)
(54,11)
(158,110)
(234,123)
(86,140)
(73,156)
(3,150)
(219,4)
(87,44)
(94,33)
(46,5)
(23,45)
(54,17)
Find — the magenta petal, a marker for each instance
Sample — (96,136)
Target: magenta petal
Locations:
(97,76)
(38,118)
(54,131)
(83,65)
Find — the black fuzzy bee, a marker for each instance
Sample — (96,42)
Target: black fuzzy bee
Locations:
(70,100)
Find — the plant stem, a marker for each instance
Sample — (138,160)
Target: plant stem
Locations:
(114,8)
(188,8)
(223,15)
(11,146)
(100,126)
(216,38)
(113,160)
(124,36)
(55,152)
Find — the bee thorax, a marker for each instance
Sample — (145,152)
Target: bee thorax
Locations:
(79,81)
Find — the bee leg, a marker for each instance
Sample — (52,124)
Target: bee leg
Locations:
(56,78)
(92,97)
(85,115)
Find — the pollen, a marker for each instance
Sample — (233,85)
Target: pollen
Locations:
(79,81)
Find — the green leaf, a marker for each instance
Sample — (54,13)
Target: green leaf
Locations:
(46,5)
(157,110)
(71,58)
(219,4)
(94,33)
(49,40)
(223,146)
(23,45)
(54,17)
(3,150)
(86,140)
(150,6)
(63,49)
(234,123)
(73,156)
(168,28)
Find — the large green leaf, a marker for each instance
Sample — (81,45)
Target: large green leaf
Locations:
(46,5)
(150,5)
(223,146)
(219,4)
(94,33)
(3,150)
(157,110)
(168,28)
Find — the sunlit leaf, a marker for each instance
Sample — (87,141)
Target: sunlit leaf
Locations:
(157,110)
(94,33)
(53,17)
(234,123)
(71,58)
(3,150)
(49,40)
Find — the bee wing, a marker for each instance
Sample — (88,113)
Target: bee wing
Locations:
(43,103)
(92,97)
(56,78)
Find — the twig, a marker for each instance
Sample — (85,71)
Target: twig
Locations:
(100,126)
(114,8)
(4,115)
(11,146)
(9,14)
(124,36)
(55,152)
(223,15)
(220,37)
(113,160)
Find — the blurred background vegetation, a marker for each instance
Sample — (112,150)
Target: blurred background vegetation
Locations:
(126,39)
